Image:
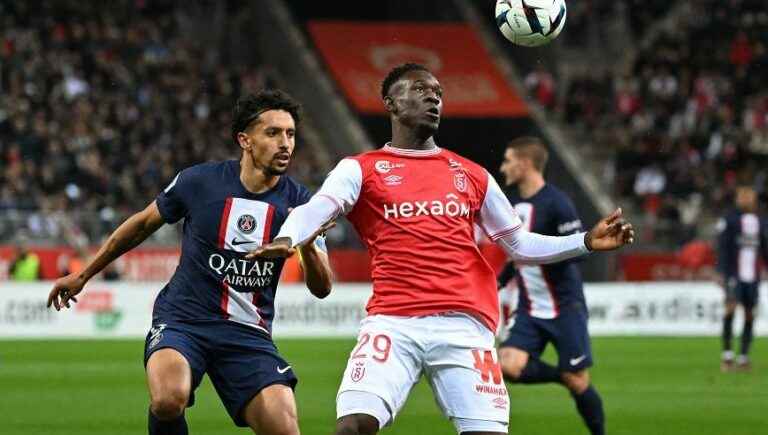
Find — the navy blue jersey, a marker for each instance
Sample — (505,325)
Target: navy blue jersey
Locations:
(741,242)
(545,289)
(222,222)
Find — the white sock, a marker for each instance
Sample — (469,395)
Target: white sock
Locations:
(727,355)
(743,359)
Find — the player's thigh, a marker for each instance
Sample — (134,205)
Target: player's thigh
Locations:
(175,364)
(384,362)
(526,338)
(272,411)
(570,336)
(466,377)
(245,365)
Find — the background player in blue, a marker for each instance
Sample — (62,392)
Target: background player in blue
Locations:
(551,306)
(215,314)
(741,243)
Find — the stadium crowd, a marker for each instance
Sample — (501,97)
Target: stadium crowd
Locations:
(688,121)
(103,103)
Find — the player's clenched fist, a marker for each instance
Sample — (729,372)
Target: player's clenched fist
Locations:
(64,290)
(610,233)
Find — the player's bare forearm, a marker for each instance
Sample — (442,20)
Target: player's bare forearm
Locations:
(127,236)
(317,270)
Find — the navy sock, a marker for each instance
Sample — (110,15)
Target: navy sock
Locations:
(177,426)
(537,371)
(727,331)
(746,337)
(590,406)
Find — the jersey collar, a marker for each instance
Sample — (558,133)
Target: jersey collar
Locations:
(412,153)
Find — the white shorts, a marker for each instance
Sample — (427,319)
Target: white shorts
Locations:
(455,353)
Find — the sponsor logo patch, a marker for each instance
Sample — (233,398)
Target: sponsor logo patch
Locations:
(384,166)
(393,180)
(156,334)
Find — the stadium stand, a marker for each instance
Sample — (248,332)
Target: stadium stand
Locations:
(685,122)
(88,89)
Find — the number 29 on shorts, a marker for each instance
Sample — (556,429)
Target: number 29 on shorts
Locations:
(376,346)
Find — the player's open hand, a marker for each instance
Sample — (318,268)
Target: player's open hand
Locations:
(610,233)
(64,290)
(279,248)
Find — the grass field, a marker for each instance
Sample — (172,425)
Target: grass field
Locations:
(649,386)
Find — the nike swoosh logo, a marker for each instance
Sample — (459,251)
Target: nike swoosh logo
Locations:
(283,370)
(576,361)
(236,242)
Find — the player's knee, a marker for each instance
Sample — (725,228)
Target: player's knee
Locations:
(283,422)
(511,364)
(577,382)
(357,424)
(749,315)
(169,405)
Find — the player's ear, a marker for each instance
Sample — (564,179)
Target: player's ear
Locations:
(242,140)
(389,104)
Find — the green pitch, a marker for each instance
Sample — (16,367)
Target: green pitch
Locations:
(649,386)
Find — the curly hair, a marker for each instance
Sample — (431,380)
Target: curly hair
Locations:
(250,107)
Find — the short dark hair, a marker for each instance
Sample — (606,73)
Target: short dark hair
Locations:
(251,106)
(533,148)
(397,72)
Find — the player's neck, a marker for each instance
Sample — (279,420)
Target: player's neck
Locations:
(411,139)
(530,185)
(256,180)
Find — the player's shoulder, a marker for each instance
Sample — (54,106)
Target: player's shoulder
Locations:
(554,193)
(206,169)
(295,192)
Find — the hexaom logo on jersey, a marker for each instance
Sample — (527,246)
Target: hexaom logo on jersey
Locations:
(452,208)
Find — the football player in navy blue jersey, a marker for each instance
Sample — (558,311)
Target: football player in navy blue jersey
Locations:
(215,315)
(551,306)
(742,241)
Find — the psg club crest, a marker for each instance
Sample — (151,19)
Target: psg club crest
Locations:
(460,181)
(246,223)
(358,371)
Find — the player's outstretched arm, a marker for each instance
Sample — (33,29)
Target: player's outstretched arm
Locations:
(126,237)
(503,225)
(337,196)
(317,268)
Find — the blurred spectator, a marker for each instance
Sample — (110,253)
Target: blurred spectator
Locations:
(104,102)
(689,120)
(25,265)
(541,85)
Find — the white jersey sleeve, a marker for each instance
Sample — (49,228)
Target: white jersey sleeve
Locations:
(502,224)
(497,217)
(337,196)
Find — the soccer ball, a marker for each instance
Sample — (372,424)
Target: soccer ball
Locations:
(530,22)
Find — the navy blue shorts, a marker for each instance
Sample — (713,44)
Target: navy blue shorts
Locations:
(745,293)
(568,333)
(239,360)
